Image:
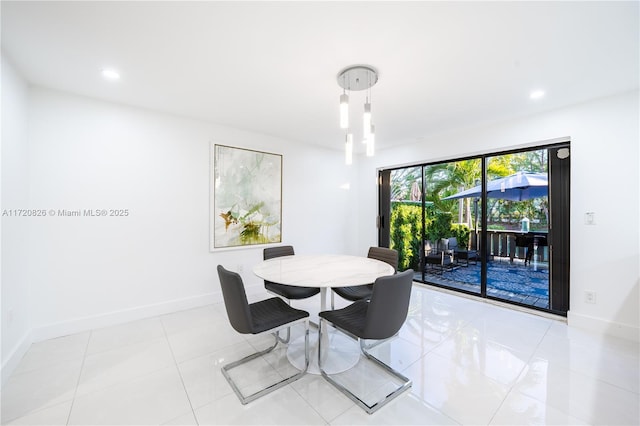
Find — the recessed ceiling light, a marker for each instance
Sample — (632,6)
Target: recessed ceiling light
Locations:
(537,94)
(110,74)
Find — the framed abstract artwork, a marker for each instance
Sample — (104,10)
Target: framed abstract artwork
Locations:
(246,197)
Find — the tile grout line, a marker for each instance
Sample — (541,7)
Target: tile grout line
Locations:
(512,387)
(561,409)
(166,336)
(326,422)
(75,392)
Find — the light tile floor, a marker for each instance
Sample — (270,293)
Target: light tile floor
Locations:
(471,363)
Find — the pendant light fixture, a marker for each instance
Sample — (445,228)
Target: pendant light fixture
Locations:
(348,149)
(370,141)
(344,111)
(366,119)
(357,78)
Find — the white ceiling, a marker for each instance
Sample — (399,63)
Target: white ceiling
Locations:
(271,67)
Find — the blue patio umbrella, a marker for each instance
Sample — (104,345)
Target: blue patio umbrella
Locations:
(517,187)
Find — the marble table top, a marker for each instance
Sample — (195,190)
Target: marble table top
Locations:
(324,270)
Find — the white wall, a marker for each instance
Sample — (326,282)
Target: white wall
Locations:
(604,179)
(87,272)
(66,274)
(14,230)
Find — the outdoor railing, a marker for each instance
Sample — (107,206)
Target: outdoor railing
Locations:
(513,244)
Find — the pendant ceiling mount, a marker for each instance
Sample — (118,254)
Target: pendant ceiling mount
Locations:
(357,77)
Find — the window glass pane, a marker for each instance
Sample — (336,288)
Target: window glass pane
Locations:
(437,217)
(452,258)
(405,224)
(517,228)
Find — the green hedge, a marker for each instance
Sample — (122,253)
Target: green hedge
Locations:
(462,232)
(406,231)
(440,226)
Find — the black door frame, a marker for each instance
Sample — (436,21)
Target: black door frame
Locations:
(384,207)
(559,209)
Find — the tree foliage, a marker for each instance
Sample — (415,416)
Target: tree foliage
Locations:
(442,180)
(406,234)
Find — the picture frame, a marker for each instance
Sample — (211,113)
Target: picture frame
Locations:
(246,197)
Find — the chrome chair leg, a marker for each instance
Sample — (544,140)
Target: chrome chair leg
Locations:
(246,399)
(280,339)
(406,382)
(370,409)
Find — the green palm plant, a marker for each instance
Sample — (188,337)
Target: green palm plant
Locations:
(402,180)
(448,178)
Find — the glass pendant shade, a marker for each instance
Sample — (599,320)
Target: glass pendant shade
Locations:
(344,111)
(371,140)
(348,149)
(366,121)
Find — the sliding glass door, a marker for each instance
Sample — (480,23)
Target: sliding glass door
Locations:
(484,225)
(451,255)
(518,227)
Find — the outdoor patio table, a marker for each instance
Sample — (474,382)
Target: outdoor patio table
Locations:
(466,255)
(325,272)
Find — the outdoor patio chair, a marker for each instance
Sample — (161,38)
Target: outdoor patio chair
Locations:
(438,258)
(466,256)
(461,254)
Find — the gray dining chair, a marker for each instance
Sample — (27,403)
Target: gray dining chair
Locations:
(377,319)
(364,291)
(289,292)
(266,316)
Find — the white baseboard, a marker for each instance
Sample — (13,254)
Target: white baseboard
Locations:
(604,327)
(585,322)
(15,356)
(77,325)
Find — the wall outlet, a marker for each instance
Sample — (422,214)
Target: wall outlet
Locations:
(589,218)
(590,296)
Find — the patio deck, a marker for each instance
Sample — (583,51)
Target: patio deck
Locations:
(505,280)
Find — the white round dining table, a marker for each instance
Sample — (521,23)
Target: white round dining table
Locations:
(323,271)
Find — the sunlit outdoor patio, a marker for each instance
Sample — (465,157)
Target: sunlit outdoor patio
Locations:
(512,281)
(444,215)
